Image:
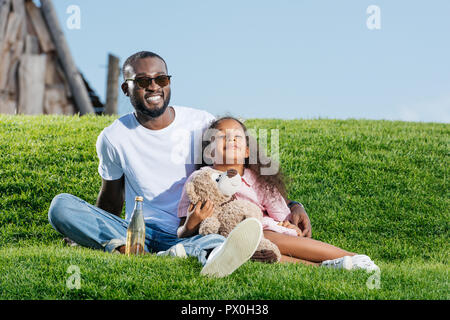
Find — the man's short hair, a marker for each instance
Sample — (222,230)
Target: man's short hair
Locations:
(140,55)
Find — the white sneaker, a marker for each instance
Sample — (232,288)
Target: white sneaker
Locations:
(339,263)
(358,261)
(361,261)
(360,258)
(174,251)
(238,247)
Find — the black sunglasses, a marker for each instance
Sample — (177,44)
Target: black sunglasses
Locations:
(144,82)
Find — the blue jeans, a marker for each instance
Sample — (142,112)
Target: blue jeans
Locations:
(93,227)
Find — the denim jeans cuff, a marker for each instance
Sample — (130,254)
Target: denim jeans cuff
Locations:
(112,245)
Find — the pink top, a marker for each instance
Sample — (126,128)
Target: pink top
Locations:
(274,208)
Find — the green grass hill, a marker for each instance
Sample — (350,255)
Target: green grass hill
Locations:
(375,187)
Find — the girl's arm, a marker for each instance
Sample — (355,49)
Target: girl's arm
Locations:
(183,212)
(279,227)
(274,204)
(281,209)
(277,210)
(189,225)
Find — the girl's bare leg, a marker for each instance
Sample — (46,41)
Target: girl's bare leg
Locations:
(289,259)
(305,248)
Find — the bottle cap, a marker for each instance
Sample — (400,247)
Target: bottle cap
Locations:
(139,198)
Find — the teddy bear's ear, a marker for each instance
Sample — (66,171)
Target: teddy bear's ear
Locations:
(190,191)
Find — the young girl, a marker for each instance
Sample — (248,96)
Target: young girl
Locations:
(230,150)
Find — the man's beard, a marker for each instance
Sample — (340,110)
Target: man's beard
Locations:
(154,113)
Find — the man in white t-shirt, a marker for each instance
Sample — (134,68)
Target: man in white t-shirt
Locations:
(150,153)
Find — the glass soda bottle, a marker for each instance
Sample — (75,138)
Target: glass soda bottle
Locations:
(136,230)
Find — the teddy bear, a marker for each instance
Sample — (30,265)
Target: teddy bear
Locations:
(220,188)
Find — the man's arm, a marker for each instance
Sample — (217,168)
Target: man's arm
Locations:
(112,196)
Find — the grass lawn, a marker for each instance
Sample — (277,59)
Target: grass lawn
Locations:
(374,187)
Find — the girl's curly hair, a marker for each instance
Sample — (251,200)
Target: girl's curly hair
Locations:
(272,182)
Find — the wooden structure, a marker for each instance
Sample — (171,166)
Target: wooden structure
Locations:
(112,85)
(37,72)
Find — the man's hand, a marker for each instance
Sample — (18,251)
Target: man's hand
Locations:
(300,218)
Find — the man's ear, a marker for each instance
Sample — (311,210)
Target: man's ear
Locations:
(124,87)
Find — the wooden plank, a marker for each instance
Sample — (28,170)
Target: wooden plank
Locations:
(18,7)
(7,104)
(40,27)
(69,109)
(55,75)
(11,29)
(11,85)
(112,86)
(31,84)
(5,6)
(30,28)
(51,75)
(12,79)
(62,76)
(31,44)
(55,99)
(78,89)
(8,48)
(56,102)
(4,69)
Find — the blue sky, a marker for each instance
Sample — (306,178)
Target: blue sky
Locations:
(278,59)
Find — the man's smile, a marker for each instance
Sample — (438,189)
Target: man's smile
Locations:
(154,98)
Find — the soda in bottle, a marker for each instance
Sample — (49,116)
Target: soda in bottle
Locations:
(136,230)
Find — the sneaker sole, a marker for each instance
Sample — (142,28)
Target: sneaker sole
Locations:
(239,246)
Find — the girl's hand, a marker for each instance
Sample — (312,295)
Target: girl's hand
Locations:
(198,213)
(289,225)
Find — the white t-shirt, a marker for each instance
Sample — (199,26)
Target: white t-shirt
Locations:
(156,163)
